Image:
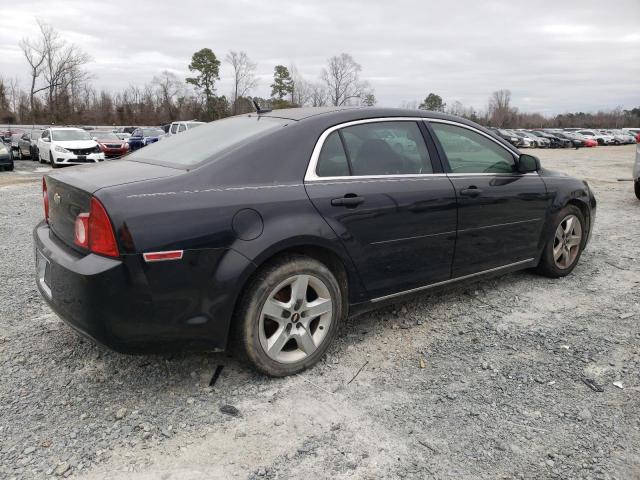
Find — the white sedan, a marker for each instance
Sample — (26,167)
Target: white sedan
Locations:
(68,146)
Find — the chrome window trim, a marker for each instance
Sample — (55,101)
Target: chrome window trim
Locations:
(451,280)
(312,176)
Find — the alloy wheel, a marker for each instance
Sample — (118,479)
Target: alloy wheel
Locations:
(295,318)
(567,241)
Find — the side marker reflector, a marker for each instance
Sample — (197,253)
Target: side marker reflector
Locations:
(163,256)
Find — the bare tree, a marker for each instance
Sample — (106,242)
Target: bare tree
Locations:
(302,90)
(500,111)
(168,87)
(244,77)
(318,95)
(34,53)
(342,78)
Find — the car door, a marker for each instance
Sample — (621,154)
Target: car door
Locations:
(23,144)
(501,212)
(387,200)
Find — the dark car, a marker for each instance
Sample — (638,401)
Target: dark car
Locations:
(111,145)
(28,144)
(556,142)
(271,228)
(141,137)
(576,141)
(6,159)
(507,136)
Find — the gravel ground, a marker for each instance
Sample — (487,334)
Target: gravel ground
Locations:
(481,381)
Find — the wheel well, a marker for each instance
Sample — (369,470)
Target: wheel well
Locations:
(584,209)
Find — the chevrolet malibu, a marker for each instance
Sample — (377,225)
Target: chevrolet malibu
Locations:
(268,229)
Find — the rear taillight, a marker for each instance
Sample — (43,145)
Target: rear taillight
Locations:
(45,199)
(94,231)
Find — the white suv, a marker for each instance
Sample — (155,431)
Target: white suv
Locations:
(68,146)
(179,127)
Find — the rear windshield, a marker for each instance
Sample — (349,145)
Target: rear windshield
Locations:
(208,142)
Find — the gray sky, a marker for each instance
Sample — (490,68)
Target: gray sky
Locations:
(554,56)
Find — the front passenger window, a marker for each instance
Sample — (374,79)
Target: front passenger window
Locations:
(471,152)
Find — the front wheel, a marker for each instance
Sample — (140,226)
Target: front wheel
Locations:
(52,162)
(636,187)
(564,247)
(289,314)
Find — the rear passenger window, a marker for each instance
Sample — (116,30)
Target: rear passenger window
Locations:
(332,161)
(181,128)
(386,148)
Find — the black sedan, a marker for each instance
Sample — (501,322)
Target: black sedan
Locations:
(270,228)
(6,159)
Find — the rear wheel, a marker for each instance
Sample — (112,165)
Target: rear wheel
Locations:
(562,251)
(289,314)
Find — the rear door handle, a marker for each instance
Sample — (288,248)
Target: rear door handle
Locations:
(350,200)
(470,192)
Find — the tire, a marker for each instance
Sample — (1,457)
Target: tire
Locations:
(287,328)
(53,164)
(636,187)
(554,266)
(9,168)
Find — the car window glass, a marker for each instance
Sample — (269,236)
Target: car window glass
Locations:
(181,128)
(174,128)
(332,161)
(471,152)
(387,148)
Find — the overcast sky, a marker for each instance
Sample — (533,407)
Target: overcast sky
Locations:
(554,56)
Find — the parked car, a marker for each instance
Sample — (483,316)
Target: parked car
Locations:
(141,137)
(601,138)
(287,221)
(110,144)
(634,132)
(555,142)
(523,141)
(28,144)
(536,141)
(622,137)
(509,137)
(179,127)
(123,136)
(13,144)
(575,140)
(68,146)
(6,159)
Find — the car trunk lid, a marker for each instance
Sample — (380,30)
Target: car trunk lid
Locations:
(69,193)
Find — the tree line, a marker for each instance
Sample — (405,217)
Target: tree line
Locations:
(60,91)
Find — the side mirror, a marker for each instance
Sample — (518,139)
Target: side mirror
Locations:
(94,138)
(528,163)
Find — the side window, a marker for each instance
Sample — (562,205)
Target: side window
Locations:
(387,148)
(45,134)
(181,128)
(471,152)
(332,161)
(174,128)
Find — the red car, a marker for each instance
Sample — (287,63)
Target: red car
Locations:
(110,144)
(590,142)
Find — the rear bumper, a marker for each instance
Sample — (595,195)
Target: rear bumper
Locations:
(134,307)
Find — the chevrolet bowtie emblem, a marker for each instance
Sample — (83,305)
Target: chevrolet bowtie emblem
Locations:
(56,198)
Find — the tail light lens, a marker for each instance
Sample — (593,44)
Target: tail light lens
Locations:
(45,199)
(94,231)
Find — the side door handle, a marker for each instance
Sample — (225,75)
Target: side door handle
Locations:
(472,191)
(350,200)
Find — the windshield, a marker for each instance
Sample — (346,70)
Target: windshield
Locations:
(68,135)
(208,142)
(35,134)
(152,132)
(105,136)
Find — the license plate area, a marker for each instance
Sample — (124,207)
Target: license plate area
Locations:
(82,158)
(43,267)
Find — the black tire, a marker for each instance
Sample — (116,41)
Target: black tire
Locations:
(9,168)
(247,317)
(53,164)
(547,265)
(636,187)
